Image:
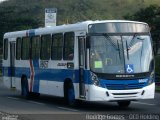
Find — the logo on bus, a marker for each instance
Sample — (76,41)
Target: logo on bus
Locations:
(44,64)
(124,76)
(143,80)
(129,68)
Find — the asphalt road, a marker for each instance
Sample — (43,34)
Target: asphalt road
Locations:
(14,107)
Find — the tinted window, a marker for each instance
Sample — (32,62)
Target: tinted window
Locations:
(68,46)
(57,44)
(35,47)
(25,48)
(45,47)
(5,49)
(18,48)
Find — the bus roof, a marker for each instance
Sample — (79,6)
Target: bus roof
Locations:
(80,26)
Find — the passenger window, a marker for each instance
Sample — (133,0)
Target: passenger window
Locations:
(25,48)
(35,47)
(45,47)
(68,46)
(57,46)
(5,49)
(18,48)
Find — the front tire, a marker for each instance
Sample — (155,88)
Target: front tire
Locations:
(124,104)
(70,95)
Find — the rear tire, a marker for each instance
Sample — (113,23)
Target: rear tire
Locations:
(124,104)
(24,87)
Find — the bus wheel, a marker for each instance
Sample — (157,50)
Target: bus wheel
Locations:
(70,95)
(124,104)
(24,87)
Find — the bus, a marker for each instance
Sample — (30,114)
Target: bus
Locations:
(107,60)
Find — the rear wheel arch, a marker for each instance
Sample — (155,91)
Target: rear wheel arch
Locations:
(67,83)
(69,92)
(24,86)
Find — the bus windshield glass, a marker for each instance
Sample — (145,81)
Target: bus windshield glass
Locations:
(121,52)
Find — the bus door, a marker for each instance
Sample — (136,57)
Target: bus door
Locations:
(12,64)
(81,46)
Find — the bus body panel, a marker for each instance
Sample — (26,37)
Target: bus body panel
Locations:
(48,76)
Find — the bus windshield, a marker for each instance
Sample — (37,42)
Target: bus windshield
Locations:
(131,53)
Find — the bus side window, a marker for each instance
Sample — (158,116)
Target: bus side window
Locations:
(45,47)
(35,47)
(57,46)
(68,46)
(25,48)
(18,48)
(5,49)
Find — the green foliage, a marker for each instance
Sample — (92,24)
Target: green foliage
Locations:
(157,62)
(150,15)
(157,88)
(29,14)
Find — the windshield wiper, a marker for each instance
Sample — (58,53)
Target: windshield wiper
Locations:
(113,44)
(118,50)
(127,50)
(132,40)
(131,43)
(110,40)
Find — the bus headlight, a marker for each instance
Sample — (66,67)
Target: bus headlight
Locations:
(94,79)
(151,79)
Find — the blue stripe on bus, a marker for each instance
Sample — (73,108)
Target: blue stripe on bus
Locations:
(36,78)
(123,84)
(46,74)
(58,75)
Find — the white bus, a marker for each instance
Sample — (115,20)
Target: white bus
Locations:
(109,60)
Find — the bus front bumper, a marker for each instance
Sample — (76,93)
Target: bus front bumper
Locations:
(96,93)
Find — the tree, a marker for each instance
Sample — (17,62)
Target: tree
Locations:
(150,15)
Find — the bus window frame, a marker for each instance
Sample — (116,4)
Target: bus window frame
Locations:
(66,57)
(59,47)
(5,49)
(31,52)
(49,48)
(19,57)
(23,49)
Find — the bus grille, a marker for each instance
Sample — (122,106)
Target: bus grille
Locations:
(124,86)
